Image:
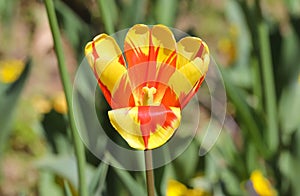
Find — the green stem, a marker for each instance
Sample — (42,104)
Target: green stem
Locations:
(78,145)
(163,15)
(149,173)
(259,30)
(104,8)
(269,87)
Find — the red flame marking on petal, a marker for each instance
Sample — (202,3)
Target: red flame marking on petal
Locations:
(95,54)
(184,99)
(200,51)
(104,89)
(152,116)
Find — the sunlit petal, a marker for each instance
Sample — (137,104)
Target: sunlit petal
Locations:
(136,45)
(146,127)
(189,49)
(154,44)
(163,46)
(107,62)
(151,56)
(192,65)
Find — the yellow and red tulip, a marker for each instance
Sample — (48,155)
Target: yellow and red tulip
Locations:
(149,84)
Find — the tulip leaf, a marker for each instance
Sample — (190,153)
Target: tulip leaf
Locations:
(296,23)
(247,116)
(67,188)
(64,166)
(240,72)
(47,185)
(158,179)
(286,162)
(291,60)
(55,127)
(98,180)
(129,182)
(125,177)
(189,154)
(289,108)
(232,182)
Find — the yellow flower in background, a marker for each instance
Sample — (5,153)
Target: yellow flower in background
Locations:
(44,105)
(261,185)
(10,70)
(41,104)
(175,188)
(60,104)
(227,47)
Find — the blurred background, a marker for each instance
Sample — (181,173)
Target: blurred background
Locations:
(256,45)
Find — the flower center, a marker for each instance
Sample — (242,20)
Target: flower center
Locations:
(148,95)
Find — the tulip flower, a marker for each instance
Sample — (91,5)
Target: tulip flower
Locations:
(175,188)
(260,185)
(10,70)
(149,84)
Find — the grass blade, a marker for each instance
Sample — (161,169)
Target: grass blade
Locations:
(98,180)
(78,145)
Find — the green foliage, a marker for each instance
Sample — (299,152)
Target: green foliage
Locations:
(67,189)
(262,85)
(109,15)
(271,124)
(165,11)
(97,184)
(9,96)
(6,11)
(74,27)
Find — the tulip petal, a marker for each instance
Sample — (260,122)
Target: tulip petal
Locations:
(192,65)
(151,56)
(190,48)
(146,127)
(164,46)
(107,62)
(144,44)
(136,45)
(148,52)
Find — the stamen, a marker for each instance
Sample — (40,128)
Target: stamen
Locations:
(148,95)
